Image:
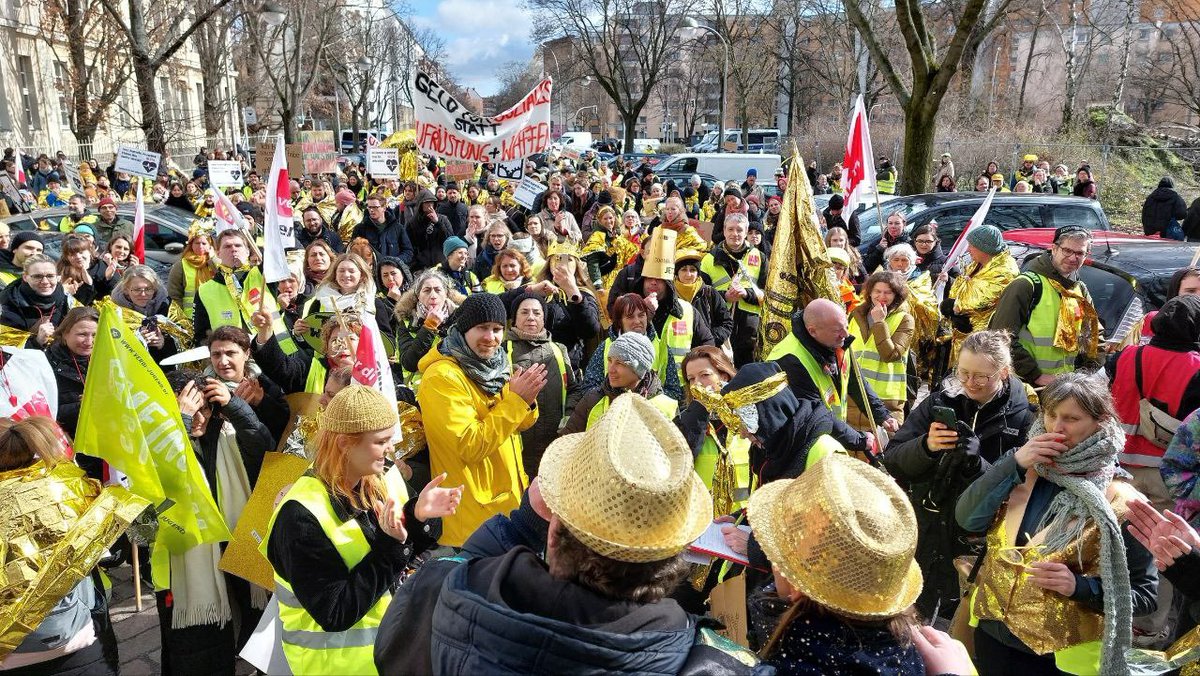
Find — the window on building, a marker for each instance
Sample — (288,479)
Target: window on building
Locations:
(29,109)
(185,107)
(5,120)
(62,86)
(164,100)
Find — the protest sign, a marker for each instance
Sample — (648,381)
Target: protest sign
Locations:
(449,129)
(225,173)
(383,162)
(459,171)
(138,162)
(73,177)
(527,190)
(264,152)
(511,171)
(570,153)
(318,152)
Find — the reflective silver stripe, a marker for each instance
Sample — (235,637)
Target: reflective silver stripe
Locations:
(325,640)
(870,354)
(1140,460)
(1051,364)
(286,597)
(677,351)
(1039,341)
(718,283)
(881,376)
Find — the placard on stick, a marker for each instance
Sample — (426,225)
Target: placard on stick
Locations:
(138,162)
(383,162)
(225,173)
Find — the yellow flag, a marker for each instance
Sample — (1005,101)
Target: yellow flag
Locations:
(130,418)
(799,269)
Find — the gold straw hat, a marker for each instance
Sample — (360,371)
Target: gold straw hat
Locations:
(626,487)
(844,534)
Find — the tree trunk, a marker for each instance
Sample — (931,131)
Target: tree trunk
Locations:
(290,130)
(152,125)
(1037,27)
(920,127)
(629,119)
(1131,14)
(1071,91)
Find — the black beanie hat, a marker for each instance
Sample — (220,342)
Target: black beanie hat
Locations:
(732,191)
(605,197)
(479,308)
(21,237)
(516,304)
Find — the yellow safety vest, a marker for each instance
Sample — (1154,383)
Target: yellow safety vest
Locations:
(494,285)
(660,357)
(223,311)
(189,290)
(559,359)
(677,335)
(65,224)
(834,397)
(309,648)
(887,186)
(315,382)
(1037,336)
(737,448)
(9,277)
(823,447)
(662,402)
(748,270)
(887,378)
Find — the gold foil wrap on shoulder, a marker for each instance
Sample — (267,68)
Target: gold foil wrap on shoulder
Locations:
(55,524)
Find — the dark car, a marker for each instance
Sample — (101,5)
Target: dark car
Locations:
(1008,212)
(1127,275)
(166,231)
(635,160)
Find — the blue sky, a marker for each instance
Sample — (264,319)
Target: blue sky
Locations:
(480,35)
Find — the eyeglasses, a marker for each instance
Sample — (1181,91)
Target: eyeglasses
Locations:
(1071,253)
(141,290)
(922,240)
(45,277)
(977,378)
(373,208)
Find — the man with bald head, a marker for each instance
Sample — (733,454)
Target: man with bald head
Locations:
(818,360)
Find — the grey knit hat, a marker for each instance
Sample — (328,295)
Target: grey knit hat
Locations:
(988,239)
(633,350)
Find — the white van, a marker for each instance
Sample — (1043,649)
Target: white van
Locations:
(577,140)
(722,166)
(646,145)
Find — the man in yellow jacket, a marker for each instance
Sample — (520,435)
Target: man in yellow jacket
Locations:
(474,409)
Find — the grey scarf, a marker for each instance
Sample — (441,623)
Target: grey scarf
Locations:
(1084,472)
(490,375)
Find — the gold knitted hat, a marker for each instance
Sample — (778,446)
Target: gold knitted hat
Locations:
(844,534)
(627,487)
(358,408)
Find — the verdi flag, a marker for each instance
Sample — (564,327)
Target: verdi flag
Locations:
(139,225)
(130,418)
(858,168)
(278,225)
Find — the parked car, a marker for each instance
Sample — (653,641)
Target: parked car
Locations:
(1008,212)
(725,166)
(166,231)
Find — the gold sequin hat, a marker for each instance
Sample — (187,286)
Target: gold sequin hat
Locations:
(626,487)
(844,534)
(565,248)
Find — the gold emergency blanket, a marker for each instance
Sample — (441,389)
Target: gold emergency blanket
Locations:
(1078,328)
(55,524)
(923,306)
(799,269)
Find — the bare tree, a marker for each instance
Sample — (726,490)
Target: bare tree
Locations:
(516,81)
(740,23)
(358,61)
(291,53)
(1171,74)
(1131,16)
(1039,20)
(624,44)
(213,52)
(154,33)
(933,68)
(91,77)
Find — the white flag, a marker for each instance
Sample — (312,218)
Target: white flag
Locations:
(858,163)
(960,244)
(278,222)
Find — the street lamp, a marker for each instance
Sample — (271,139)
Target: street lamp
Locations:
(272,13)
(689,22)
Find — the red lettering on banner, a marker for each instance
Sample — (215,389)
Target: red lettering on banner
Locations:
(539,96)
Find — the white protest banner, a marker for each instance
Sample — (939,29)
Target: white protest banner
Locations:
(570,153)
(526,191)
(72,172)
(383,162)
(225,173)
(510,171)
(138,162)
(448,129)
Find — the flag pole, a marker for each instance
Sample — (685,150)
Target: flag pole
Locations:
(137,576)
(875,183)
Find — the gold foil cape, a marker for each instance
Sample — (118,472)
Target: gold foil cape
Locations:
(799,270)
(10,337)
(55,524)
(242,556)
(726,406)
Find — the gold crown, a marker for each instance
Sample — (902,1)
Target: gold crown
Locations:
(566,248)
(202,226)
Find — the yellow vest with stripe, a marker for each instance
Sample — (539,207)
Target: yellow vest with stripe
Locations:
(65,224)
(559,359)
(1037,336)
(309,648)
(494,285)
(7,277)
(751,265)
(833,396)
(677,335)
(662,402)
(188,303)
(737,448)
(887,378)
(822,448)
(223,311)
(660,357)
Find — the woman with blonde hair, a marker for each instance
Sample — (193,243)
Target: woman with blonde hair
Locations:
(348,287)
(419,315)
(607,250)
(572,311)
(351,532)
(81,271)
(509,271)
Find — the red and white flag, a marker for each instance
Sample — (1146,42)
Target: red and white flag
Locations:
(858,164)
(372,140)
(960,244)
(22,179)
(278,223)
(139,224)
(225,214)
(366,366)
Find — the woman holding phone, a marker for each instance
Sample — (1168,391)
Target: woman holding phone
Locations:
(953,436)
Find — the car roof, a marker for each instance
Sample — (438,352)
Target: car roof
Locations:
(173,217)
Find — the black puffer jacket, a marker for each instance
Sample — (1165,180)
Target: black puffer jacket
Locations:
(712,309)
(935,480)
(1161,207)
(70,372)
(21,308)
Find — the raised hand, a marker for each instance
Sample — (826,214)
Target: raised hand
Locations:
(435,502)
(527,383)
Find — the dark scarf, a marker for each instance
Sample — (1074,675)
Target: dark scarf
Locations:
(490,375)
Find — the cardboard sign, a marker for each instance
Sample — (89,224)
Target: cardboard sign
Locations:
(527,190)
(138,162)
(73,177)
(448,129)
(317,149)
(728,604)
(460,171)
(264,152)
(242,556)
(383,162)
(510,171)
(705,228)
(571,153)
(225,173)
